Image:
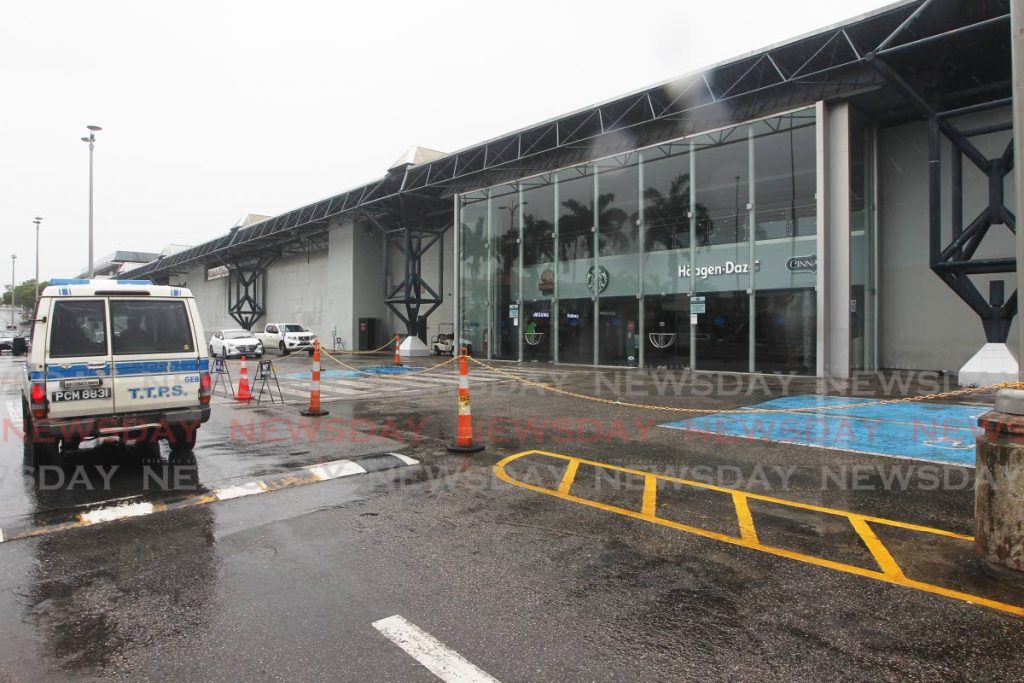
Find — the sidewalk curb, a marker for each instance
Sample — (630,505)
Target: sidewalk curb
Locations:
(301,476)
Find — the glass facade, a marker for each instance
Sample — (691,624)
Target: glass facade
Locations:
(697,253)
(863,304)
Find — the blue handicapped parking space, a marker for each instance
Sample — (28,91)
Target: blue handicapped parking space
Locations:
(363,372)
(925,431)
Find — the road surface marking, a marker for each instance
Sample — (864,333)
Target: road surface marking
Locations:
(251,488)
(13,410)
(406,459)
(300,476)
(888,572)
(117,512)
(333,470)
(440,660)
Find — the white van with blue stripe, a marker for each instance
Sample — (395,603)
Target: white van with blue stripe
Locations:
(113,359)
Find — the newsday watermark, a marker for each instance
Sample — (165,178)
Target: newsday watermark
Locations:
(514,433)
(632,384)
(766,479)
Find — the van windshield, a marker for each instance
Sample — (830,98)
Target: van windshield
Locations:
(150,327)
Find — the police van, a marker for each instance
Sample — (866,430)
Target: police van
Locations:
(122,359)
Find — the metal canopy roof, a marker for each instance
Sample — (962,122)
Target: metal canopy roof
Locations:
(954,53)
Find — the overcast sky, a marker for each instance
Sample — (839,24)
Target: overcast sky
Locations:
(212,110)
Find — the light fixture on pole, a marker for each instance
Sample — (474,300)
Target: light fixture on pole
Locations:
(37,221)
(91,139)
(13,258)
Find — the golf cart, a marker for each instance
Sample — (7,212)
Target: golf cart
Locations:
(444,343)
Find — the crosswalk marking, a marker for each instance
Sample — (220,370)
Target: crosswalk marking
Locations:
(296,391)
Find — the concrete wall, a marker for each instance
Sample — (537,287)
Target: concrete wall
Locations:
(923,324)
(297,292)
(331,287)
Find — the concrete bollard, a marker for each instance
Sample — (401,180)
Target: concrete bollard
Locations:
(999,482)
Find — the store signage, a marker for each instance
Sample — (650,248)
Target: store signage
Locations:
(802,264)
(216,272)
(704,272)
(547,282)
(600,283)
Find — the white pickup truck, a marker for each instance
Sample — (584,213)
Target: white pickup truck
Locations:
(286,337)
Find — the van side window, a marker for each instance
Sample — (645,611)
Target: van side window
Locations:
(78,328)
(150,327)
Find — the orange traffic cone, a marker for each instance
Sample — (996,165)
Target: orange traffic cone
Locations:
(314,389)
(464,435)
(243,395)
(398,342)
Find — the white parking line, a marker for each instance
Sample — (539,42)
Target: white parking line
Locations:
(109,514)
(406,459)
(333,470)
(440,660)
(251,488)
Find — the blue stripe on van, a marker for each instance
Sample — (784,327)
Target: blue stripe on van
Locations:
(141,367)
(75,370)
(157,367)
(126,368)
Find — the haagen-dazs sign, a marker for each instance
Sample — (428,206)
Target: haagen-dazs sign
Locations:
(802,264)
(704,272)
(794,264)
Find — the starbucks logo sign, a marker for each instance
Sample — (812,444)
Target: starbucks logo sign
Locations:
(599,282)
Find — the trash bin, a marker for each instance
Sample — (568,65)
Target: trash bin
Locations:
(18,346)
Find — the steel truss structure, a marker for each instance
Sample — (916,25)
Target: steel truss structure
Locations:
(955,262)
(899,64)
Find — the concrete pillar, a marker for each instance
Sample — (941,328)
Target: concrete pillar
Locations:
(833,244)
(999,483)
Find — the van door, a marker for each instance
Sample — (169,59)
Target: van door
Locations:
(155,355)
(78,361)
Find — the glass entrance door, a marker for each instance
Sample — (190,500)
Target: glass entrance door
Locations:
(576,331)
(667,331)
(721,261)
(536,331)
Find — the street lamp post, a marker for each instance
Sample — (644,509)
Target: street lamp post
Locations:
(13,258)
(91,139)
(37,221)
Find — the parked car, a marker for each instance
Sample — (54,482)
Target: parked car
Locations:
(116,359)
(6,341)
(235,343)
(287,337)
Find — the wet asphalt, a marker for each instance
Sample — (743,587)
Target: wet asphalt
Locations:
(526,586)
